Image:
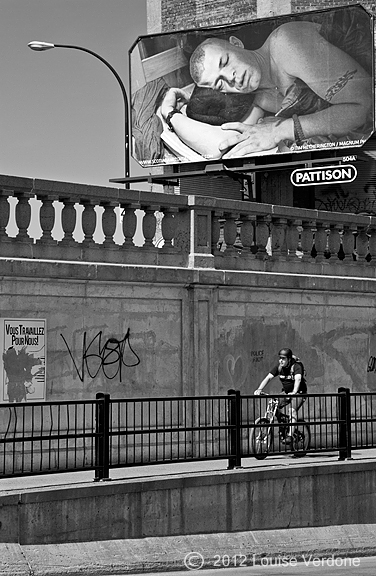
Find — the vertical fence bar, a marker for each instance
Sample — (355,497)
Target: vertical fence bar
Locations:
(102,450)
(234,432)
(344,416)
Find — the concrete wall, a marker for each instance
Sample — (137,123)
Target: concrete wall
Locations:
(236,501)
(191,331)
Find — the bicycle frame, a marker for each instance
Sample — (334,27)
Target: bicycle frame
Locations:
(273,412)
(271,409)
(262,440)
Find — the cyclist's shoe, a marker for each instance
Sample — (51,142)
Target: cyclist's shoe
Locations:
(287,440)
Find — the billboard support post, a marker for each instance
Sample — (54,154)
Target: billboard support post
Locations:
(247,170)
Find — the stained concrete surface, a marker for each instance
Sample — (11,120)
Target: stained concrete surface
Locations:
(187,552)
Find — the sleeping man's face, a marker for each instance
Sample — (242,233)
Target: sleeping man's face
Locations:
(229,68)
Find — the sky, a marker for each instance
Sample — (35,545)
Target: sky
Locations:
(62,111)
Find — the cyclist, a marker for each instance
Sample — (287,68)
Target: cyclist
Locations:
(291,374)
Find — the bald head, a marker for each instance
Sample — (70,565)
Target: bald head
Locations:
(225,66)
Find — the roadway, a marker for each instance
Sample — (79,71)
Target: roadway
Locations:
(313,566)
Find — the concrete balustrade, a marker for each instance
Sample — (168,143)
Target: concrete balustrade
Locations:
(112,225)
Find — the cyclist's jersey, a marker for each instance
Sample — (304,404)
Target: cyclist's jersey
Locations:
(287,377)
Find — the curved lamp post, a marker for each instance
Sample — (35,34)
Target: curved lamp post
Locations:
(42,46)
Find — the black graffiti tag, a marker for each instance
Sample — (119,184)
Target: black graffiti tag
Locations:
(371,364)
(96,356)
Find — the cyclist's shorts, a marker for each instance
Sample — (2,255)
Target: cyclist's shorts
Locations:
(299,399)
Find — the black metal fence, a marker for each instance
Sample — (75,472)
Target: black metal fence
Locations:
(105,433)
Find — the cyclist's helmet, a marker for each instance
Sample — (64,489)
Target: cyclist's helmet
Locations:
(286,352)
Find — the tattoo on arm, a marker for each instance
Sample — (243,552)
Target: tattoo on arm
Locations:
(341,83)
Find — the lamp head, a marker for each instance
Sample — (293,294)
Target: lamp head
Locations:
(40,46)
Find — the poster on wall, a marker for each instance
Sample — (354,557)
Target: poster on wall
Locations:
(23,360)
(288,84)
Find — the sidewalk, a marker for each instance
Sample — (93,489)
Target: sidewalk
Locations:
(110,557)
(27,483)
(187,552)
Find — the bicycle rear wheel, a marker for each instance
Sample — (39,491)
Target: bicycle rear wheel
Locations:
(261,438)
(301,438)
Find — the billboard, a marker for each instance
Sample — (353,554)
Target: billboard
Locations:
(23,360)
(289,84)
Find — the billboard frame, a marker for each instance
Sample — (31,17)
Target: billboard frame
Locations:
(239,162)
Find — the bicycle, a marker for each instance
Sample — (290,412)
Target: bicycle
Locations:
(262,434)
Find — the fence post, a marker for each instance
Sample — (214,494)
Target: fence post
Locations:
(344,415)
(102,437)
(234,421)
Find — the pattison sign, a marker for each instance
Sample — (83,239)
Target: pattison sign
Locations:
(324,175)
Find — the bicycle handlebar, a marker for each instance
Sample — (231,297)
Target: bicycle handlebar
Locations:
(286,401)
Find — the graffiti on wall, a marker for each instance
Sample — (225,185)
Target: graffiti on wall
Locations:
(109,356)
(371,367)
(336,198)
(347,203)
(257,355)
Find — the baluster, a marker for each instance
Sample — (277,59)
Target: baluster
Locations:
(108,223)
(341,252)
(217,233)
(334,242)
(4,214)
(262,236)
(230,233)
(293,240)
(169,226)
(149,225)
(46,219)
(5,240)
(46,245)
(129,223)
(279,230)
(372,244)
(320,240)
(89,222)
(247,235)
(308,229)
(327,253)
(68,221)
(362,245)
(348,244)
(238,245)
(22,216)
(158,237)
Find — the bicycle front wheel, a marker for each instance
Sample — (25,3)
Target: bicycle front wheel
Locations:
(261,438)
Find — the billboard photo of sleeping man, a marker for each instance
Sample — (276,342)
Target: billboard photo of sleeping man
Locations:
(289,84)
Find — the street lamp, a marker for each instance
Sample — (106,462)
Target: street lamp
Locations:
(42,46)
